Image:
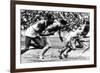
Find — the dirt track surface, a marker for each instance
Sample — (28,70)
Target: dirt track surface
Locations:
(32,55)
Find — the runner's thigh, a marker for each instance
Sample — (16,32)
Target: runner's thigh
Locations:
(41,41)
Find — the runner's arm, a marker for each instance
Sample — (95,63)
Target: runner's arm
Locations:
(60,37)
(46,33)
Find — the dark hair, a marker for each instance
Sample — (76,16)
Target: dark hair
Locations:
(49,16)
(63,22)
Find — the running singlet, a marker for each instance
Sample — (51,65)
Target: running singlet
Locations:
(35,29)
(72,34)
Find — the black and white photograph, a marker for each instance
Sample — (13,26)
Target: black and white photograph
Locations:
(54,36)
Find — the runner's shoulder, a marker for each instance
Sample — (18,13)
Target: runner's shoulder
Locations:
(41,21)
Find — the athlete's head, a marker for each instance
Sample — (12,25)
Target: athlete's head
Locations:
(62,23)
(50,19)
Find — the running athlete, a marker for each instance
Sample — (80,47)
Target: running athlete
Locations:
(55,27)
(70,41)
(34,33)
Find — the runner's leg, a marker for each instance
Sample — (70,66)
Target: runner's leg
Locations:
(38,42)
(27,44)
(65,51)
(46,48)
